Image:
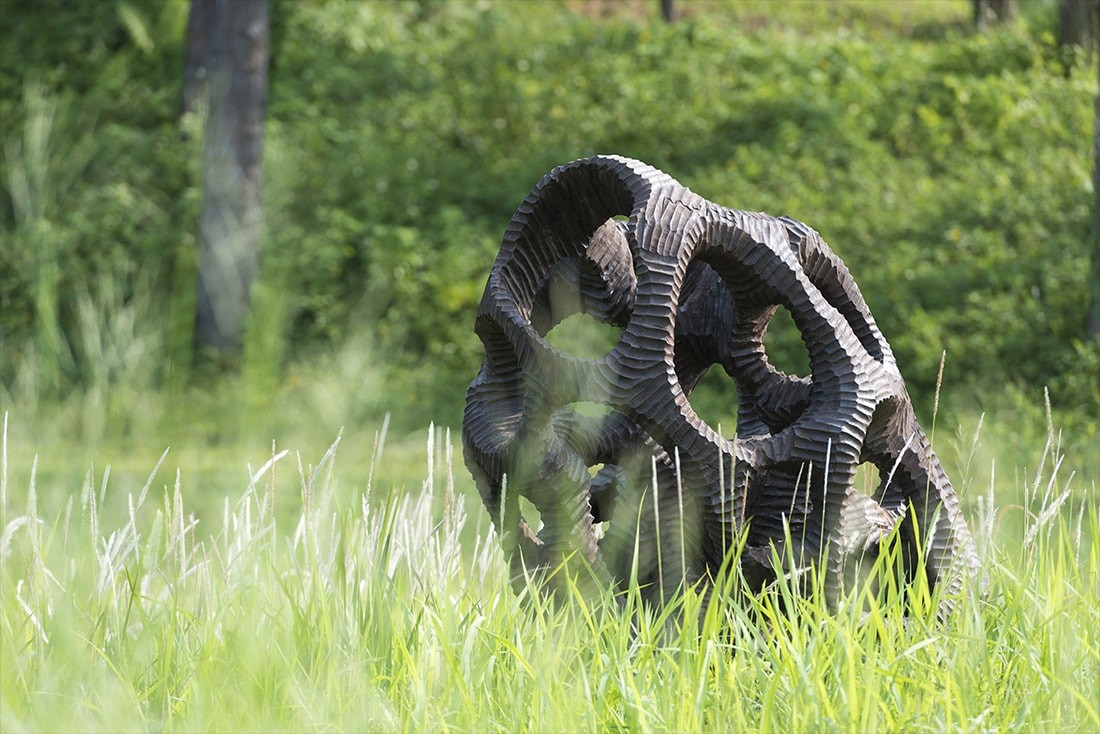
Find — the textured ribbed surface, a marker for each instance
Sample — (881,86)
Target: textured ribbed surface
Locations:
(692,285)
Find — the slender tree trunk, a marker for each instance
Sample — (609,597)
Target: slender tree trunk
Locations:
(1079,22)
(199,31)
(1079,25)
(668,11)
(228,47)
(1093,327)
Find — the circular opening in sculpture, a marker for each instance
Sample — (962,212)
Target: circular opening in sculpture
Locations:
(584,302)
(599,499)
(590,408)
(783,345)
(867,479)
(714,400)
(581,335)
(530,514)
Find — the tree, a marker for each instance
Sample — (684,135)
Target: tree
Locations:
(1079,22)
(1079,25)
(228,49)
(668,11)
(987,12)
(1093,328)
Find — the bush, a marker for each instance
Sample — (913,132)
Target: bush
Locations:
(952,174)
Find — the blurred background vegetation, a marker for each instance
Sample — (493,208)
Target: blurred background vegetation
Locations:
(948,162)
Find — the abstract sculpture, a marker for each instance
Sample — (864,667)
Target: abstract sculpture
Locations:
(642,487)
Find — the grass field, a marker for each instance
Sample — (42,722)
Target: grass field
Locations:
(306,603)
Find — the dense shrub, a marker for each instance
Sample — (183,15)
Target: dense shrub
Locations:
(953,175)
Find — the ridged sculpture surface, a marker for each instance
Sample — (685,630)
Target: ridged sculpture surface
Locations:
(626,477)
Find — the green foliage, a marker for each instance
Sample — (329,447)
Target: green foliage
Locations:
(950,170)
(98,200)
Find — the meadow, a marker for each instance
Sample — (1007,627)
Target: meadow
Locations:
(288,540)
(303,602)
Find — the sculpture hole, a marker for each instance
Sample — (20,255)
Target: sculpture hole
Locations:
(591,409)
(600,528)
(714,400)
(867,479)
(584,336)
(531,514)
(784,346)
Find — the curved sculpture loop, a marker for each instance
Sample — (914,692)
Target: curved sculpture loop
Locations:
(628,481)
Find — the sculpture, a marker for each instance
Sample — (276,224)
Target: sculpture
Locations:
(692,285)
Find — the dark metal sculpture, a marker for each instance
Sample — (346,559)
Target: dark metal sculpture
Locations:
(642,487)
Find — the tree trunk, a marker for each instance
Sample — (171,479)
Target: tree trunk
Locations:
(1093,326)
(1079,22)
(987,12)
(228,46)
(668,11)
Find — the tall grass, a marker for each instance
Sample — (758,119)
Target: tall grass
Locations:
(390,608)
